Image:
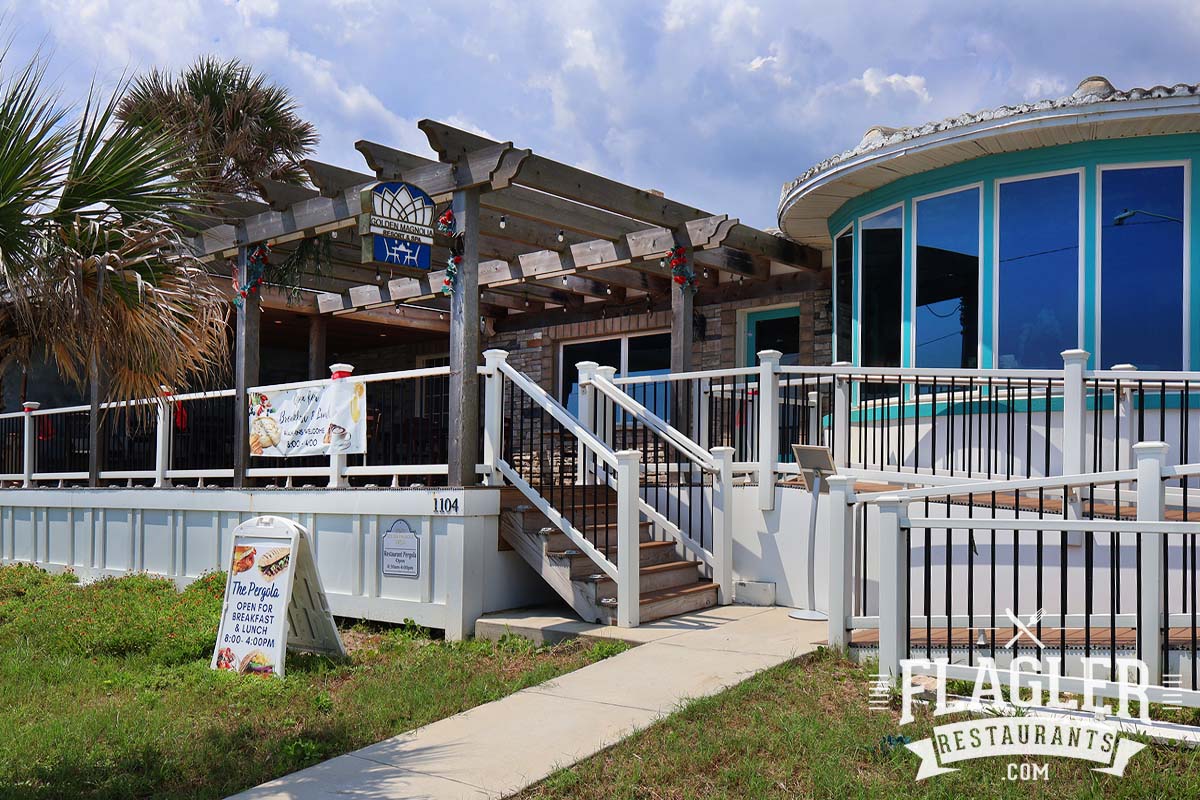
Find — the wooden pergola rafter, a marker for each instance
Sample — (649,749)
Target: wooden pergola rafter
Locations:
(537,235)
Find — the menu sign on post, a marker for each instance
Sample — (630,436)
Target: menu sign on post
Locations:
(262,614)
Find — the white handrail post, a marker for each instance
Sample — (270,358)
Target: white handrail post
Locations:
(162,439)
(722,522)
(841,555)
(1074,411)
(629,593)
(29,434)
(840,416)
(337,461)
(1151,505)
(608,414)
(1123,410)
(493,414)
(768,426)
(587,401)
(893,584)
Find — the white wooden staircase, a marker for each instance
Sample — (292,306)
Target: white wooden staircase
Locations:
(669,583)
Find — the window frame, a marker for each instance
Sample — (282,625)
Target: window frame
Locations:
(978,187)
(858,273)
(1186,321)
(1080,270)
(622,368)
(853,288)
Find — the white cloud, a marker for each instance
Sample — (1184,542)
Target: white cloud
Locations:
(874,82)
(758,62)
(1041,87)
(251,11)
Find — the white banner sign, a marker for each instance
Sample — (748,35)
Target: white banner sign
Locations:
(314,421)
(260,616)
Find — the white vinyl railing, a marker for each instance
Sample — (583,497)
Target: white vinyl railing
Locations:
(189,437)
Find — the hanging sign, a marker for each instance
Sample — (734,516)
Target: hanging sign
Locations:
(396,225)
(316,420)
(273,600)
(401,553)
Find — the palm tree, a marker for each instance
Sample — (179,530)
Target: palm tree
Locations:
(93,270)
(234,125)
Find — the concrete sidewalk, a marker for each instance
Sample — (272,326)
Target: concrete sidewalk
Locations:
(499,748)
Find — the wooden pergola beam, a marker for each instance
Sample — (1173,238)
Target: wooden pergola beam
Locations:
(563,180)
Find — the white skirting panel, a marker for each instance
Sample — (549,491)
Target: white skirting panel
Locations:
(184,533)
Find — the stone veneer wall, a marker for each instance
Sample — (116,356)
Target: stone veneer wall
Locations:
(535,351)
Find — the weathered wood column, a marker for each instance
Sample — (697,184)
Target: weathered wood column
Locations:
(318,364)
(96,443)
(463,449)
(246,373)
(682,329)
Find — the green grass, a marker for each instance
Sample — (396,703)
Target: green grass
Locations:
(804,730)
(105,690)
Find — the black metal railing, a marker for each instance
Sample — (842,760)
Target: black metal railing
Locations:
(548,456)
(128,435)
(61,442)
(12,445)
(202,432)
(671,481)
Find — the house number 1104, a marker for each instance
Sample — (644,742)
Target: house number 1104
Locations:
(445,505)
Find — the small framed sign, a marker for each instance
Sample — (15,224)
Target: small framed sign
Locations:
(400,554)
(397,226)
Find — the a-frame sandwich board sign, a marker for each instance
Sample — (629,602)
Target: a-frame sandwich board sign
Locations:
(274,600)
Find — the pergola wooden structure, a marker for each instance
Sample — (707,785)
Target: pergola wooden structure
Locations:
(541,240)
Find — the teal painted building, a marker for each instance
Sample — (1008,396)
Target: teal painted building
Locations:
(1000,239)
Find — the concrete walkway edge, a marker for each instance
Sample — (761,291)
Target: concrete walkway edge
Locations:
(499,748)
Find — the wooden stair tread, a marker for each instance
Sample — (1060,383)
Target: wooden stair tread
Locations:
(607,550)
(652,569)
(546,530)
(679,591)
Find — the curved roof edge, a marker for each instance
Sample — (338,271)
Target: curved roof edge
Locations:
(1094,100)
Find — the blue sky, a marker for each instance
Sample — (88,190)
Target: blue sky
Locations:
(715,103)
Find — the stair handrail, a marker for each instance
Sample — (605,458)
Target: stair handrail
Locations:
(693,451)
(556,410)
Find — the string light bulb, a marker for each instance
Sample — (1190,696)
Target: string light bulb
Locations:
(705,273)
(503,221)
(561,235)
(564,280)
(608,290)
(378,276)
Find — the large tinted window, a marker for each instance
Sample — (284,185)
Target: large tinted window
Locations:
(1038,271)
(947,319)
(882,268)
(843,267)
(606,353)
(1141,267)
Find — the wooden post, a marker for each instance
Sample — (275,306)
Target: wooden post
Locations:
(1074,411)
(30,437)
(629,580)
(463,447)
(682,331)
(893,585)
(246,373)
(768,426)
(493,415)
(317,326)
(162,439)
(587,396)
(1151,505)
(841,560)
(722,517)
(338,461)
(841,417)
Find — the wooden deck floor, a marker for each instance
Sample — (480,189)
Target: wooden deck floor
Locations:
(1029,502)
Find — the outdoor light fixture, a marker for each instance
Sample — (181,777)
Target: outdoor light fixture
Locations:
(1119,219)
(527,304)
(378,276)
(503,221)
(608,290)
(705,273)
(333,234)
(561,236)
(564,280)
